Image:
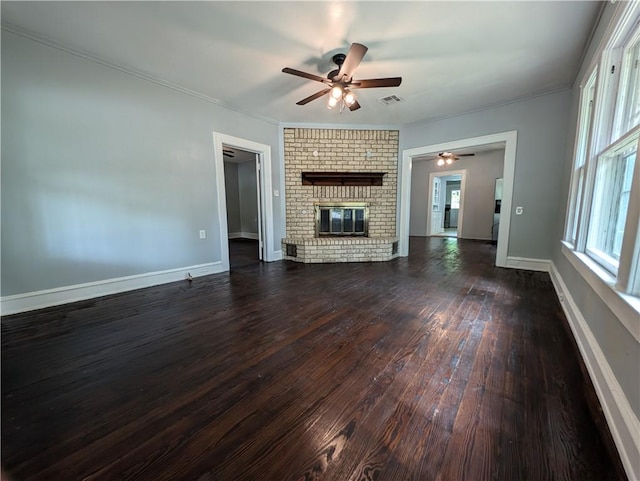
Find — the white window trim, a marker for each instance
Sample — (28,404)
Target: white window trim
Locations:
(575,205)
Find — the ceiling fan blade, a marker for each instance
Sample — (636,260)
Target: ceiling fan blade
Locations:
(354,106)
(465,155)
(351,62)
(317,95)
(306,75)
(376,82)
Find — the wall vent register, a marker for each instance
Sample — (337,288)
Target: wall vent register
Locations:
(342,219)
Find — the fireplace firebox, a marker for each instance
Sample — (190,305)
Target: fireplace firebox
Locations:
(342,219)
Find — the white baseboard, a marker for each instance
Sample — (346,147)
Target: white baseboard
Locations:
(543,265)
(276,255)
(243,235)
(622,421)
(63,295)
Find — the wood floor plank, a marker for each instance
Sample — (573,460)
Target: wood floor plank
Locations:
(438,366)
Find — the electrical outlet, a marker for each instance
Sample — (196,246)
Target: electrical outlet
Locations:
(203,234)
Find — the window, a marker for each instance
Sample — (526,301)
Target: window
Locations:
(628,105)
(603,211)
(610,202)
(577,182)
(455,199)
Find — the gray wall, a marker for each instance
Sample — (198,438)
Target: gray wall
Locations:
(232,196)
(104,174)
(621,350)
(248,196)
(478,201)
(542,125)
(241,184)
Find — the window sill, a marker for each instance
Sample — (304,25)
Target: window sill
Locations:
(625,307)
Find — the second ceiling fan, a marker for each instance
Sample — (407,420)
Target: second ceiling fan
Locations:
(339,83)
(448,158)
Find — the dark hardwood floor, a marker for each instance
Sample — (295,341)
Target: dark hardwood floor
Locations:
(434,367)
(242,253)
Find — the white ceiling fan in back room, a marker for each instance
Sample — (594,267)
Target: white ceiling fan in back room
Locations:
(340,84)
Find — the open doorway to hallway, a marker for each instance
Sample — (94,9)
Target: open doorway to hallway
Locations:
(262,161)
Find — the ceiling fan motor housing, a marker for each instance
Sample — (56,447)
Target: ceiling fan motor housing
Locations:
(338,59)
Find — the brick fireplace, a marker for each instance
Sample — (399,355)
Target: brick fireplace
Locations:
(328,174)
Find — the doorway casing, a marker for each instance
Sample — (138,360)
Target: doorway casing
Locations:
(263,155)
(463,182)
(509,138)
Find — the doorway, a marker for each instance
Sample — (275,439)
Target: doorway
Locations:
(262,160)
(510,141)
(242,193)
(446,195)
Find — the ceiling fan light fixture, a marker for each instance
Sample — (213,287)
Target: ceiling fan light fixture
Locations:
(440,162)
(449,161)
(339,81)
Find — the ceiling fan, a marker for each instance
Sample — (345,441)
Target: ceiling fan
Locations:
(340,82)
(448,158)
(228,153)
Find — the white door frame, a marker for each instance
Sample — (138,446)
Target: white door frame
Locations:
(463,183)
(510,138)
(263,155)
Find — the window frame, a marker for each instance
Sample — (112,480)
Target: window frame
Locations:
(581,156)
(598,134)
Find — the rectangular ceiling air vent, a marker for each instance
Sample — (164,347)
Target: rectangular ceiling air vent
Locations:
(391,99)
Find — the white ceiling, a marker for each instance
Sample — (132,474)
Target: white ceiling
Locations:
(453,56)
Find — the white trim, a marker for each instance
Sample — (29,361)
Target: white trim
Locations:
(510,138)
(244,235)
(528,264)
(79,292)
(622,421)
(624,11)
(626,308)
(276,255)
(266,192)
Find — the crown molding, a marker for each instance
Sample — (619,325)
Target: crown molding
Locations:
(541,93)
(25,33)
